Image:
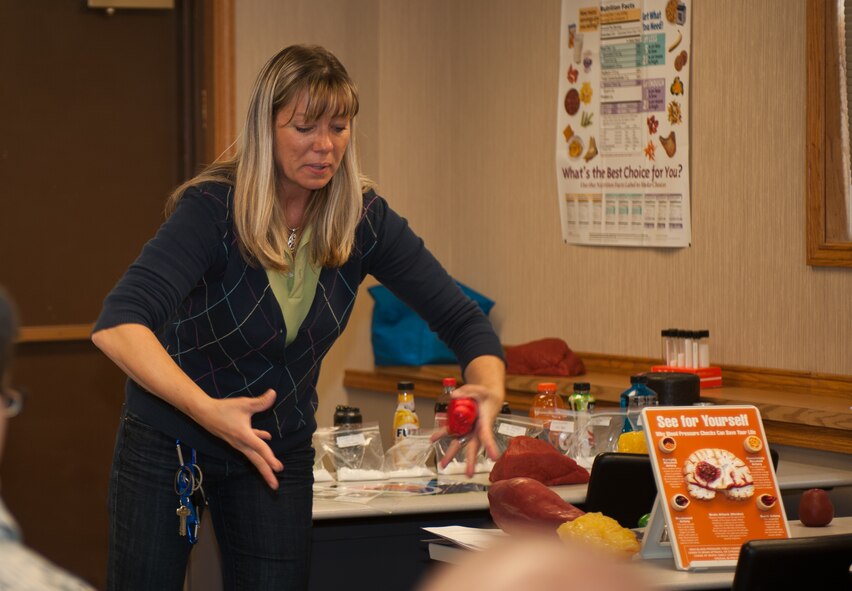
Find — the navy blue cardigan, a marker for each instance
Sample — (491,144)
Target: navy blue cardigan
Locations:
(217,317)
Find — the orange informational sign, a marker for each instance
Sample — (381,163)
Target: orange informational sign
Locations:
(716,484)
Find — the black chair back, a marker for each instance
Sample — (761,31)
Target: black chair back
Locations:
(820,562)
(621,486)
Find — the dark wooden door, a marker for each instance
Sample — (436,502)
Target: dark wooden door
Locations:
(90,146)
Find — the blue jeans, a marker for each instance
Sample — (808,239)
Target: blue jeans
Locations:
(264,536)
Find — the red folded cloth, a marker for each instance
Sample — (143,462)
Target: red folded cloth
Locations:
(544,357)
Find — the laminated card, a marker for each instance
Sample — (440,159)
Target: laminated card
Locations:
(716,485)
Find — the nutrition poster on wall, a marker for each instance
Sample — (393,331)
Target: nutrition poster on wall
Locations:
(622,142)
(716,484)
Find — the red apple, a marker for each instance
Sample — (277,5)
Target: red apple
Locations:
(815,508)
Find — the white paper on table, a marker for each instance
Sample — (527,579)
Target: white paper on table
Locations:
(472,538)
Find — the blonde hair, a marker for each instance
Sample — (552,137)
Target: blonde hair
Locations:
(334,210)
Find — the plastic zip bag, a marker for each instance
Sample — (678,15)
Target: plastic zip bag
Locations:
(559,429)
(321,472)
(458,465)
(506,427)
(357,454)
(409,457)
(595,433)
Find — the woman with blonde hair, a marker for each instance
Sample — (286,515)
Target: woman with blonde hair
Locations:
(222,322)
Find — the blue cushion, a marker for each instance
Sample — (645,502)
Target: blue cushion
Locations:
(401,337)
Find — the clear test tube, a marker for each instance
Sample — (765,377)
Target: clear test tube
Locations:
(680,353)
(704,348)
(668,345)
(671,348)
(687,348)
(696,341)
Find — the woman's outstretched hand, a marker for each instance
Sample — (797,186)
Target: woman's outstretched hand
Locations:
(230,420)
(485,384)
(135,349)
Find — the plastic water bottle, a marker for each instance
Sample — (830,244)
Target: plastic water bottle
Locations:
(633,399)
(545,401)
(449,384)
(624,399)
(583,442)
(405,421)
(544,406)
(582,397)
(347,417)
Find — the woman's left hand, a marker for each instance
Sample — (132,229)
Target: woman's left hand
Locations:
(485,382)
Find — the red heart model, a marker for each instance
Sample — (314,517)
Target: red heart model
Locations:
(461,416)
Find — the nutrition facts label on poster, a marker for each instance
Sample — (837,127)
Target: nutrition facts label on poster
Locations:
(622,147)
(621,63)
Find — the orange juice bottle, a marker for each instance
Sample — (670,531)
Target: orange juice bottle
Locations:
(545,400)
(405,421)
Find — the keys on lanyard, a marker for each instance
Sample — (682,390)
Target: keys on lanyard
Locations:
(188,479)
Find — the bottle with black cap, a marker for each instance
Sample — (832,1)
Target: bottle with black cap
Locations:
(582,403)
(405,421)
(443,401)
(347,417)
(639,395)
(628,395)
(582,400)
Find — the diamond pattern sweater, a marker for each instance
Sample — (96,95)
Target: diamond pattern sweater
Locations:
(219,320)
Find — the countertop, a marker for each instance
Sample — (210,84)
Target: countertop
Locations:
(792,475)
(408,504)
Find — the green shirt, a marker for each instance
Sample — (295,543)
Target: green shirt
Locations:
(295,290)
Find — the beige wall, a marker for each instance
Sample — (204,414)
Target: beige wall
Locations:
(458,126)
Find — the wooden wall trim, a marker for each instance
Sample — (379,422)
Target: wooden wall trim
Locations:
(733,376)
(798,408)
(224,77)
(744,376)
(59,332)
(815,125)
(824,161)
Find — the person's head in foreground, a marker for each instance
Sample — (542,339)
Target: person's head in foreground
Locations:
(536,562)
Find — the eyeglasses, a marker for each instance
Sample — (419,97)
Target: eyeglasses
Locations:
(13,401)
